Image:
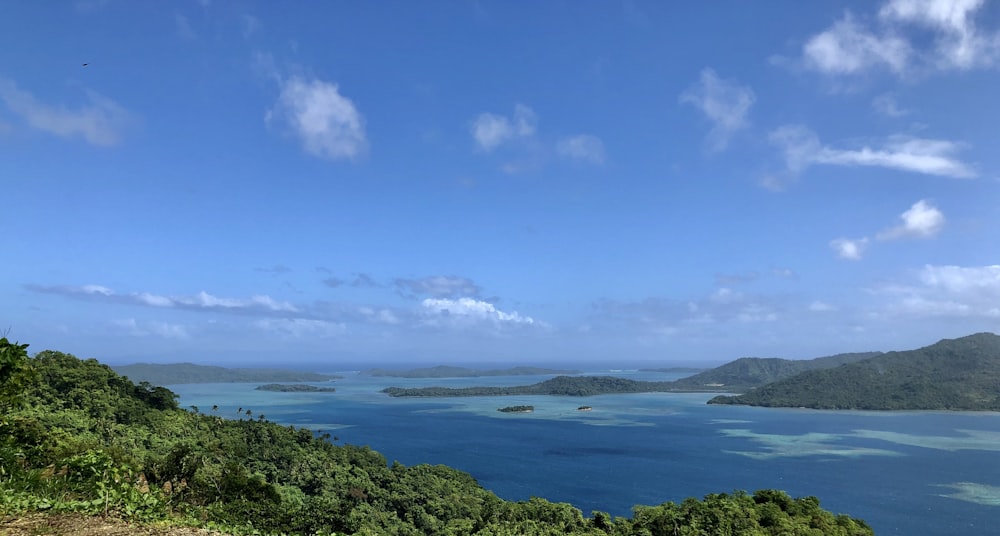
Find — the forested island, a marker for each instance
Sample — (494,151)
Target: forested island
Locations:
(953,374)
(517,409)
(178,373)
(294,388)
(445,371)
(560,385)
(77,437)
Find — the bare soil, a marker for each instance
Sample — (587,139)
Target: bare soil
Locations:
(59,524)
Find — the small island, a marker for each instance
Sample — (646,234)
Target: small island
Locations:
(445,371)
(517,409)
(294,388)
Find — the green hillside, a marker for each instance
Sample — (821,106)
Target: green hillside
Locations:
(749,372)
(953,374)
(77,437)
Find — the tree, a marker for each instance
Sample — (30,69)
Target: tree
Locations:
(15,374)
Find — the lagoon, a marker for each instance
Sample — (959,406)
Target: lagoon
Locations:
(908,473)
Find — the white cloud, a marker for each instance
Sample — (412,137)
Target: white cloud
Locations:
(847,248)
(100,122)
(897,42)
(802,148)
(961,291)
(725,103)
(848,48)
(301,327)
(469,311)
(958,42)
(491,130)
(922,220)
(582,147)
(327,123)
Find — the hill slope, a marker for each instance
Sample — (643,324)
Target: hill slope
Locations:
(953,374)
(750,372)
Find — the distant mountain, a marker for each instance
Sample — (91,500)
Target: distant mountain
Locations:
(953,374)
(749,372)
(444,371)
(178,373)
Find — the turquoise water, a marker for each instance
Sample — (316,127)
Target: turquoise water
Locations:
(910,473)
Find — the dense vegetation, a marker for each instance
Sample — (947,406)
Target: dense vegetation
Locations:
(955,374)
(178,373)
(749,372)
(445,371)
(560,385)
(517,409)
(294,388)
(77,437)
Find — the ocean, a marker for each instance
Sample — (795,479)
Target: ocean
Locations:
(907,473)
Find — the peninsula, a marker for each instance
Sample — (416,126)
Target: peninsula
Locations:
(953,374)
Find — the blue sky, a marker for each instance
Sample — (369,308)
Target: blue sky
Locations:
(258,182)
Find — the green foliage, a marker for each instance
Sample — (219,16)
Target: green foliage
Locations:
(957,374)
(87,440)
(15,374)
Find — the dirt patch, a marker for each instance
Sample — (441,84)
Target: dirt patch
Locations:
(59,524)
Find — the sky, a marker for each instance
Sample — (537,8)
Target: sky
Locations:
(492,181)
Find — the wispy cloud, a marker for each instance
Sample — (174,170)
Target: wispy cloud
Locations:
(438,287)
(326,122)
(300,327)
(958,291)
(801,148)
(724,102)
(491,131)
(184,29)
(922,220)
(895,41)
(202,301)
(848,47)
(582,147)
(885,104)
(100,122)
(166,330)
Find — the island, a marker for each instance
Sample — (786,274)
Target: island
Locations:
(294,388)
(182,373)
(953,374)
(517,409)
(560,385)
(445,371)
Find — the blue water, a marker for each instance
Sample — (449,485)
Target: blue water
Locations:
(909,473)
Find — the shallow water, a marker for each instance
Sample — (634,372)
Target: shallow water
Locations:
(927,473)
